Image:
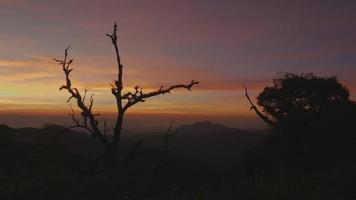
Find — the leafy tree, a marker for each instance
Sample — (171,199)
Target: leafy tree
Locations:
(312,118)
(124,101)
(296,98)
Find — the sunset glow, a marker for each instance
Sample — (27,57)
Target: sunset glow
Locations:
(168,42)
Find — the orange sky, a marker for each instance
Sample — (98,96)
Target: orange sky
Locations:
(221,44)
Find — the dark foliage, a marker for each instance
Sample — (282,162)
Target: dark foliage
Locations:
(293,97)
(313,131)
(56,163)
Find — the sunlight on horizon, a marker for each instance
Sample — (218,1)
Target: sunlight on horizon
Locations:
(220,45)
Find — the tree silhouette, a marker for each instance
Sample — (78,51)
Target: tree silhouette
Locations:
(167,135)
(298,97)
(123,100)
(312,119)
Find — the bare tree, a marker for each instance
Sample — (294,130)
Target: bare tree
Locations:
(259,113)
(124,101)
(166,135)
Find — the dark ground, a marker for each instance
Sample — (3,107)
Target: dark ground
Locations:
(206,161)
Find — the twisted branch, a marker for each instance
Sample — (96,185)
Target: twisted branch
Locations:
(136,96)
(139,96)
(87,114)
(131,98)
(254,108)
(123,101)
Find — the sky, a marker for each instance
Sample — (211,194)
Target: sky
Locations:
(221,43)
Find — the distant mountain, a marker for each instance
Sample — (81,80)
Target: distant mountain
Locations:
(50,138)
(204,128)
(205,141)
(4,128)
(5,134)
(209,142)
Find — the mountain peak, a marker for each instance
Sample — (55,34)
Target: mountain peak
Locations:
(204,127)
(203,123)
(5,128)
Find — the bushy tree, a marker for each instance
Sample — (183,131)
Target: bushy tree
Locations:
(312,120)
(295,98)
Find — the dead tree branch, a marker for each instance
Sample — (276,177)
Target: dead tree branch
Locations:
(259,114)
(87,114)
(139,96)
(166,135)
(123,101)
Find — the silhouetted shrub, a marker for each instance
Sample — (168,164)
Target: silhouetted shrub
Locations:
(313,128)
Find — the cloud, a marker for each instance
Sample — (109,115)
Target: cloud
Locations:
(13,2)
(166,42)
(27,71)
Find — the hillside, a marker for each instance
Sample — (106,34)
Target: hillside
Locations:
(206,142)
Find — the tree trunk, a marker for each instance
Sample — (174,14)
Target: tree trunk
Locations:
(116,140)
